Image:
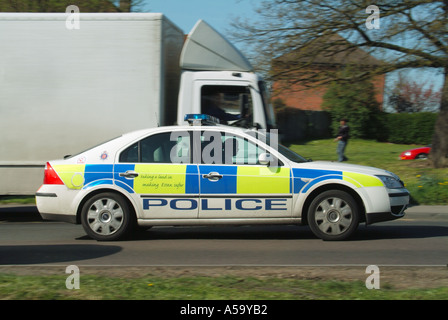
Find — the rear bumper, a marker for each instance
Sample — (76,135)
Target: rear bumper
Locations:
(58,217)
(53,203)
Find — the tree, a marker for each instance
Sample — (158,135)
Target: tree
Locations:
(407,33)
(354,101)
(410,96)
(60,6)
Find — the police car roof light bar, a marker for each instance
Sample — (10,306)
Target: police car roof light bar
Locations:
(200,119)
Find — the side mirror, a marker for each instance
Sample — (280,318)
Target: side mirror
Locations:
(264,159)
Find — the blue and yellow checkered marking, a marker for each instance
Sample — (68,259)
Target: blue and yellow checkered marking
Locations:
(228,183)
(312,177)
(187,179)
(158,178)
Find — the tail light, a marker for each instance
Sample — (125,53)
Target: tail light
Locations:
(50,176)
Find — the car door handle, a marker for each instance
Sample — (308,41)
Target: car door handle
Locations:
(214,176)
(129,174)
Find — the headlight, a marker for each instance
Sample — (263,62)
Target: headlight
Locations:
(391,182)
(407,154)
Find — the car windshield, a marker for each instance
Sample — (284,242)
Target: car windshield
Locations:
(271,139)
(291,155)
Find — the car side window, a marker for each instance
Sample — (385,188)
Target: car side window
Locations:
(225,148)
(158,148)
(131,154)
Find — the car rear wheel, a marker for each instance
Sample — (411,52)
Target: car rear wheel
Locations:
(107,217)
(333,215)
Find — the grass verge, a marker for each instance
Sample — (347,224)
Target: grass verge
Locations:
(93,287)
(17,200)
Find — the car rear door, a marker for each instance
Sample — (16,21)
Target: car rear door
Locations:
(157,172)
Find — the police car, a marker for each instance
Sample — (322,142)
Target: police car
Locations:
(209,174)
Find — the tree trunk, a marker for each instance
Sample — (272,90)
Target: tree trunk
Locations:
(439,149)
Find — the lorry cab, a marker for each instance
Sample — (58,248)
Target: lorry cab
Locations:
(235,98)
(218,80)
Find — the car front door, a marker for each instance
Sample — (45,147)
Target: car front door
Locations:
(233,184)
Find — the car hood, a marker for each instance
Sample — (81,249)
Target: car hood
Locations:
(417,149)
(337,166)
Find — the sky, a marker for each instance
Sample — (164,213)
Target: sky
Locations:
(185,13)
(220,13)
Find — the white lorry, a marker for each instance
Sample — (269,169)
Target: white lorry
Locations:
(64,89)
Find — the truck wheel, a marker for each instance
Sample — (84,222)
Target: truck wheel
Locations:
(333,215)
(107,217)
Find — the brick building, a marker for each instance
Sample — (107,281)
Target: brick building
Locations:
(325,56)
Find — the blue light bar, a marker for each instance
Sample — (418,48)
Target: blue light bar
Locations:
(199,118)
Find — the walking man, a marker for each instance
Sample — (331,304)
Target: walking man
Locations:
(342,139)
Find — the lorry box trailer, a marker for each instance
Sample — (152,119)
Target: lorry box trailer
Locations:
(63,90)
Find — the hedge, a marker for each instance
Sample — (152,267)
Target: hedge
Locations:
(403,128)
(409,128)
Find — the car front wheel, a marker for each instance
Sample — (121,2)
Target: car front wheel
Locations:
(422,156)
(107,217)
(333,215)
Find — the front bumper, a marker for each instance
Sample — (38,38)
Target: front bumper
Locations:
(399,200)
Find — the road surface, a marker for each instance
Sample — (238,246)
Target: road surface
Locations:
(418,239)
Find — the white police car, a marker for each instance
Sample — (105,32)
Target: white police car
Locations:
(209,175)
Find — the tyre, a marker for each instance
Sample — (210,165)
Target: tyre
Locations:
(421,156)
(333,215)
(107,217)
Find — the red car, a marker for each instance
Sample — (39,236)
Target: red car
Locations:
(418,153)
